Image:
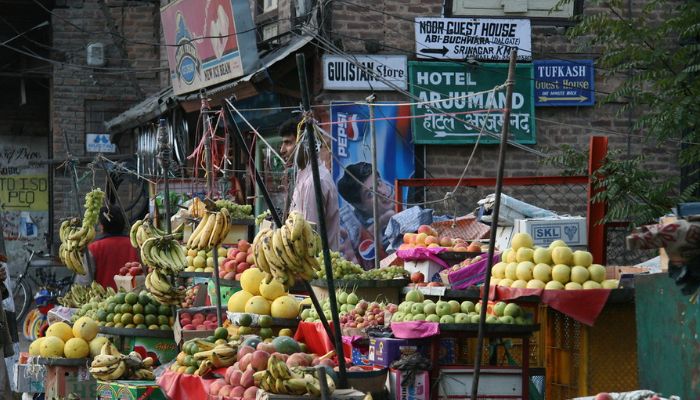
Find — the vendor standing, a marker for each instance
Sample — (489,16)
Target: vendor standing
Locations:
(303,198)
(112,249)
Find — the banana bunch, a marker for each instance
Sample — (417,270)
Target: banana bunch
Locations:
(221,355)
(111,365)
(162,290)
(197,208)
(211,230)
(164,254)
(288,252)
(143,230)
(280,379)
(74,240)
(79,295)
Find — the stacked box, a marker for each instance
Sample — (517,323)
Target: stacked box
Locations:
(129,390)
(64,381)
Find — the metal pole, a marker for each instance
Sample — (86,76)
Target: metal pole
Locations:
(278,223)
(210,192)
(375,184)
(304,87)
(164,158)
(510,83)
(75,174)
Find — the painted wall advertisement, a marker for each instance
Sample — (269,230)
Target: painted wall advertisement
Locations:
(24,196)
(457,102)
(483,39)
(340,73)
(564,83)
(352,171)
(210,48)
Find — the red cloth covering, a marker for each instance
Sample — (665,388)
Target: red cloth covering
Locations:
(415,329)
(315,337)
(184,387)
(110,254)
(422,254)
(582,305)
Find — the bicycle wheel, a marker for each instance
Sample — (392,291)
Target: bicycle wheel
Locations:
(22,296)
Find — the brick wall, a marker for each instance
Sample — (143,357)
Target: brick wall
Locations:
(391,23)
(76,88)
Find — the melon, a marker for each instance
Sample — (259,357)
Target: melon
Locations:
(85,328)
(610,284)
(597,272)
(561,273)
(510,271)
(579,274)
(573,286)
(591,285)
(271,290)
(505,282)
(250,280)
(521,239)
(519,284)
(562,255)
(499,270)
(96,345)
(583,258)
(258,305)
(60,330)
(523,271)
(237,302)
(51,346)
(494,281)
(285,307)
(524,254)
(35,347)
(286,345)
(535,284)
(76,348)
(542,256)
(554,285)
(542,272)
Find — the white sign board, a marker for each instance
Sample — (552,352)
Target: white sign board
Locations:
(482,39)
(99,143)
(364,72)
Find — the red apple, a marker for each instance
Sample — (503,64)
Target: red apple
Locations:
(425,229)
(250,259)
(445,241)
(241,267)
(238,276)
(211,317)
(229,265)
(430,239)
(189,327)
(240,257)
(243,245)
(231,254)
(123,270)
(201,328)
(222,274)
(434,284)
(417,277)
(133,271)
(231,275)
(185,315)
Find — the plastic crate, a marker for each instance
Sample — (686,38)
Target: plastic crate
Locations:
(583,361)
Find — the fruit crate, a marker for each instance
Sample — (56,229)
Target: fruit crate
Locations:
(582,360)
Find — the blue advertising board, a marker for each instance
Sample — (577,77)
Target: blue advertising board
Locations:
(352,165)
(564,83)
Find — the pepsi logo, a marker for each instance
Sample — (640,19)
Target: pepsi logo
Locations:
(366,249)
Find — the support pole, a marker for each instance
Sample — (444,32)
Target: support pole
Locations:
(596,211)
(375,185)
(510,83)
(313,156)
(164,158)
(278,223)
(210,191)
(75,174)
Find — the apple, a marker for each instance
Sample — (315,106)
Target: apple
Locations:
(250,259)
(425,229)
(462,318)
(417,277)
(409,238)
(238,276)
(434,284)
(133,271)
(420,239)
(431,240)
(232,253)
(243,245)
(211,317)
(240,257)
(123,270)
(188,327)
(445,241)
(242,266)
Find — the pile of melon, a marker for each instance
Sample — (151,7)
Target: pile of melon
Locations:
(556,267)
(263,296)
(61,340)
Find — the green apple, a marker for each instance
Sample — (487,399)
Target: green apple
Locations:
(491,320)
(419,317)
(506,319)
(512,310)
(417,308)
(432,318)
(475,318)
(499,308)
(462,318)
(455,306)
(466,306)
(443,308)
(429,308)
(447,319)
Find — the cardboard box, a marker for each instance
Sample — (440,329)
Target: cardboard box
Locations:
(420,390)
(384,351)
(225,291)
(448,351)
(28,378)
(358,353)
(163,350)
(181,335)
(64,381)
(338,394)
(544,231)
(129,390)
(236,233)
(616,272)
(501,383)
(429,269)
(130,283)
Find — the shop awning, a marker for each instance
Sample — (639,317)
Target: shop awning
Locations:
(159,103)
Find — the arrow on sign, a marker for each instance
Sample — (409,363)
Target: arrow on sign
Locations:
(442,51)
(441,134)
(544,99)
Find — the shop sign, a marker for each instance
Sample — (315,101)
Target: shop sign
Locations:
(24,192)
(364,72)
(214,42)
(99,143)
(455,102)
(480,39)
(564,83)
(542,9)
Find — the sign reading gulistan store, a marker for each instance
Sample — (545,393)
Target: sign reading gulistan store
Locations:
(208,42)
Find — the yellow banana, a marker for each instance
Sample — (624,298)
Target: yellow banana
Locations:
(194,237)
(214,235)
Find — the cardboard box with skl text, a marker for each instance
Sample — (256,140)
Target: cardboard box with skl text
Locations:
(544,231)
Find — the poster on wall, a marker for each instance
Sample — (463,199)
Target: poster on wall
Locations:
(352,171)
(215,42)
(456,102)
(481,39)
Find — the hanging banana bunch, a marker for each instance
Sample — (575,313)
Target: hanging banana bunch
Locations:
(289,252)
(211,230)
(143,230)
(75,236)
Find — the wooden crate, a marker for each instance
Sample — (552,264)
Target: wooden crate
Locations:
(582,360)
